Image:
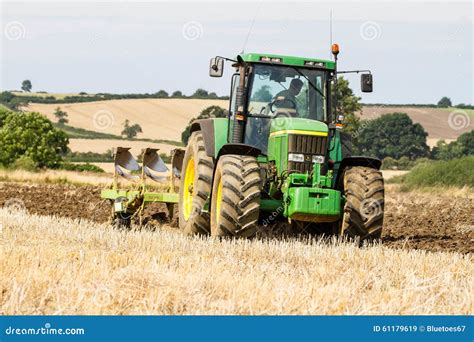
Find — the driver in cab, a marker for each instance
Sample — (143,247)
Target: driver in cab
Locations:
(286,99)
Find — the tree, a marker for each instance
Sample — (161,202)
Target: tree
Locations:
(12,101)
(4,112)
(445,151)
(131,131)
(177,93)
(6,97)
(263,94)
(207,113)
(200,94)
(466,141)
(162,94)
(33,136)
(393,135)
(463,146)
(348,105)
(26,86)
(445,102)
(61,116)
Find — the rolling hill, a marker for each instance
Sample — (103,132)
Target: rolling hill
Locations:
(166,119)
(159,118)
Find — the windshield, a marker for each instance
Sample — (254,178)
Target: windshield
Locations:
(288,91)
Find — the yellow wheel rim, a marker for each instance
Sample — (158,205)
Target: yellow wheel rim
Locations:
(188,191)
(218,202)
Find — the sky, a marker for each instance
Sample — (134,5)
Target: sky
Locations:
(417,51)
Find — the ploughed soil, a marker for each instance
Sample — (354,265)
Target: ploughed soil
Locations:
(412,220)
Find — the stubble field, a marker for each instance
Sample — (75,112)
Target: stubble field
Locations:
(61,256)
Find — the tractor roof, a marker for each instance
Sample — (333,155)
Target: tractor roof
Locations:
(287,60)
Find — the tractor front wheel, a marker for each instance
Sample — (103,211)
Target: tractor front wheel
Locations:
(235,203)
(364,207)
(195,186)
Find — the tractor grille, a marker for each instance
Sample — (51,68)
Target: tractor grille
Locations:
(308,145)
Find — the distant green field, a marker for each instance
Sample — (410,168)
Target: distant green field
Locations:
(455,172)
(81,133)
(468,111)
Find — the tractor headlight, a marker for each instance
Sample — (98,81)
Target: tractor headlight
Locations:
(296,157)
(318,159)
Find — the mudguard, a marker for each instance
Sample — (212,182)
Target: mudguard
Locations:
(240,149)
(357,161)
(206,126)
(214,132)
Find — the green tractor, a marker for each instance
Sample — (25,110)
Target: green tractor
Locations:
(279,155)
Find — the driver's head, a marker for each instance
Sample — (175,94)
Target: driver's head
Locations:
(295,86)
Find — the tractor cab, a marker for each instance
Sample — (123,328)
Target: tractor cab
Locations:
(277,87)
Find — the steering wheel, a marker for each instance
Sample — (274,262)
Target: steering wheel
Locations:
(280,99)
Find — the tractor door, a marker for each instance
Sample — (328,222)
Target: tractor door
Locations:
(257,131)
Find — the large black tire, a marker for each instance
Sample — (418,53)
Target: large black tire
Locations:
(192,220)
(235,203)
(364,207)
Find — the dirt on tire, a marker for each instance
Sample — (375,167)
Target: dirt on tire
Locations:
(412,220)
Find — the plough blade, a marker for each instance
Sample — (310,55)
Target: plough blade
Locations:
(124,160)
(177,156)
(119,171)
(153,162)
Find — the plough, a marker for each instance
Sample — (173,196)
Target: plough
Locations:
(130,203)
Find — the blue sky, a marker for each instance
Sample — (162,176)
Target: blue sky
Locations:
(417,51)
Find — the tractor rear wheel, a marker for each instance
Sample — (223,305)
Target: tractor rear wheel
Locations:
(364,207)
(235,202)
(195,186)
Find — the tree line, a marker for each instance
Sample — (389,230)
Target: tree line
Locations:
(14,101)
(392,137)
(32,139)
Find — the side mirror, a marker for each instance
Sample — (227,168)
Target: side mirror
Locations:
(366,83)
(216,67)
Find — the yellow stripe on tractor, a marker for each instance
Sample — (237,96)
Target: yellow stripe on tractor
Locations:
(298,131)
